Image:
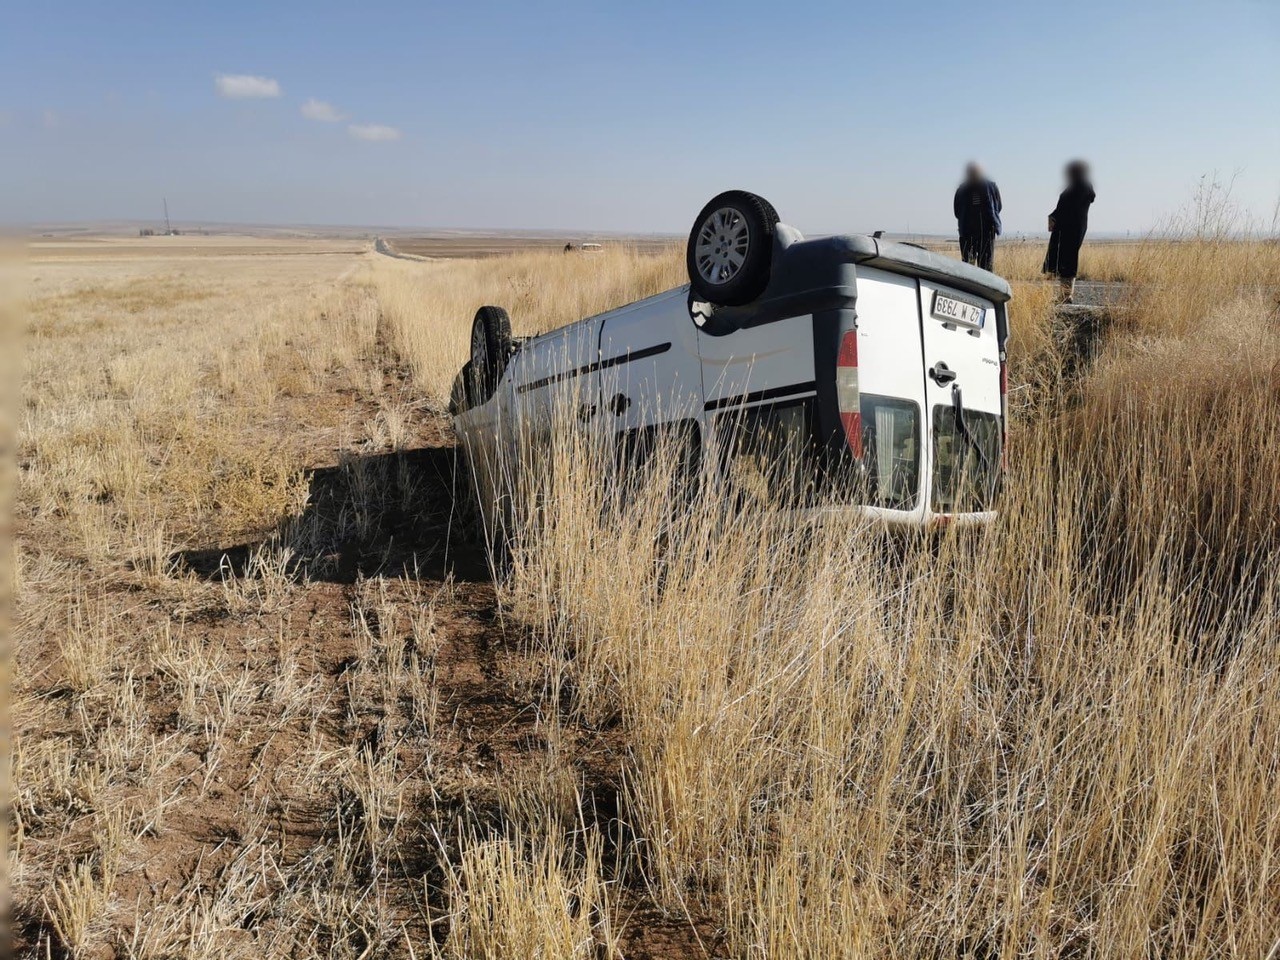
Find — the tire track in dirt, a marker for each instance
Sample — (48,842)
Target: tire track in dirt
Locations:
(419,543)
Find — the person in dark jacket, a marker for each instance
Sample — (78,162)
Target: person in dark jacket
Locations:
(1067,226)
(977,207)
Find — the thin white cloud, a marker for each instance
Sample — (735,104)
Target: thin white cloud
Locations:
(242,86)
(373,131)
(315,109)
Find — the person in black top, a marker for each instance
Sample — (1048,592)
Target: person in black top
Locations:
(1067,226)
(977,207)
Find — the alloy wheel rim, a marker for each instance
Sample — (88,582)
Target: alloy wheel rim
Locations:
(721,247)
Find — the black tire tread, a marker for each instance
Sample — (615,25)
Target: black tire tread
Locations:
(496,326)
(752,280)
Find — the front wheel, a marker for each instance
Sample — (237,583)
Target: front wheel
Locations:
(730,248)
(490,350)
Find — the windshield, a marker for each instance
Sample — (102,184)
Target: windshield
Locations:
(966,462)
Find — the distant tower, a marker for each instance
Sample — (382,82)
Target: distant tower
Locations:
(168,230)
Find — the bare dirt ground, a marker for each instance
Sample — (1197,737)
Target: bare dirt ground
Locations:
(236,748)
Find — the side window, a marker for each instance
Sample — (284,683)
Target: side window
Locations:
(769,454)
(890,452)
(672,448)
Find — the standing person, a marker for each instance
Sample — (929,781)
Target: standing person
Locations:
(977,207)
(1067,226)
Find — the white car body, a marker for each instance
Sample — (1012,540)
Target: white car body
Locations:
(755,379)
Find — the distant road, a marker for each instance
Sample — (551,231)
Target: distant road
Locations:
(381,246)
(474,245)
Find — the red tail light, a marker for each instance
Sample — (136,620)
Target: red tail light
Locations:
(1004,415)
(848,395)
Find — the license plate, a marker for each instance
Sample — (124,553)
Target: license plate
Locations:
(952,310)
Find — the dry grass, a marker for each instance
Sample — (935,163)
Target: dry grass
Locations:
(254,710)
(429,306)
(1058,738)
(161,404)
(1109,261)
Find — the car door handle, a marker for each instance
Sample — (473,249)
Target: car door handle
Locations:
(619,404)
(941,374)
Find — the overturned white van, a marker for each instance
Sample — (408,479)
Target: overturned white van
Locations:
(848,371)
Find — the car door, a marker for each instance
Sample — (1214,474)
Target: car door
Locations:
(648,370)
(893,403)
(553,384)
(765,362)
(962,396)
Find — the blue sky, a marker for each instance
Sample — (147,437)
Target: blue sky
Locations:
(847,115)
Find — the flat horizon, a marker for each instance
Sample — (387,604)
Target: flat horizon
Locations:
(50,229)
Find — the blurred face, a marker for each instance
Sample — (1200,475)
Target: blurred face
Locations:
(973,173)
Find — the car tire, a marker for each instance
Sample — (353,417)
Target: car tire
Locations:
(490,350)
(730,249)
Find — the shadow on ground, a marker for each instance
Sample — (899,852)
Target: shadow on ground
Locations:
(405,513)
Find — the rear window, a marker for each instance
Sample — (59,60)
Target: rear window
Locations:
(966,462)
(772,454)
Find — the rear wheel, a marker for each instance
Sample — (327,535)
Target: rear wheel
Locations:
(490,348)
(730,248)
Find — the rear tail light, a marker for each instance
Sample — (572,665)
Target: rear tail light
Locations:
(848,396)
(1004,415)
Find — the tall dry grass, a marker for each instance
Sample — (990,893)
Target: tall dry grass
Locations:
(1107,261)
(1057,738)
(846,752)
(428,307)
(142,394)
(262,756)
(160,402)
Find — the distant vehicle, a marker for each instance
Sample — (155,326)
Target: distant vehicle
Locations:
(590,247)
(846,370)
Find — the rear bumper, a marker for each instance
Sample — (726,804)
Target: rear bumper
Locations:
(900,519)
(941,521)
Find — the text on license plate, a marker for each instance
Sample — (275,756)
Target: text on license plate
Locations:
(958,311)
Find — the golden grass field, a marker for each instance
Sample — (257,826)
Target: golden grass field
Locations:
(270,698)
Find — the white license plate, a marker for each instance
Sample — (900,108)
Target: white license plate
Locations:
(951,310)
